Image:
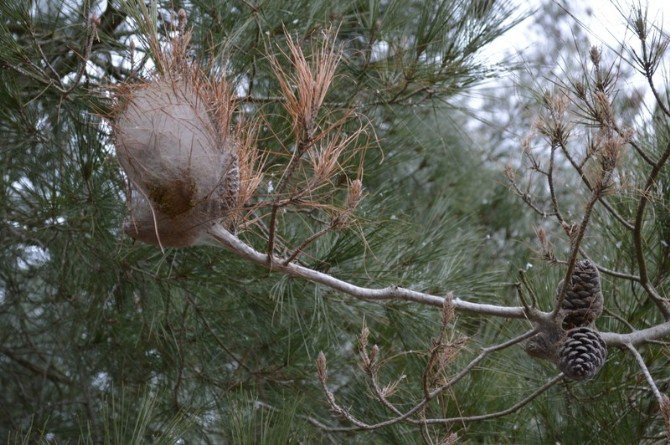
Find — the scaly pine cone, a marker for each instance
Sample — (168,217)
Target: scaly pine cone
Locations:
(583,301)
(582,354)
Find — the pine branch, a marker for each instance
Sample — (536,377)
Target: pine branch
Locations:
(392,293)
(516,407)
(427,397)
(221,237)
(659,301)
(637,337)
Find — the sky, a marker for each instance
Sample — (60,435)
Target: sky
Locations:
(601,17)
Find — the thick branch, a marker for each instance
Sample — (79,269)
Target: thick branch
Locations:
(637,337)
(222,237)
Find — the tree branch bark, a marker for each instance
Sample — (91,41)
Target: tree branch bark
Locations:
(223,237)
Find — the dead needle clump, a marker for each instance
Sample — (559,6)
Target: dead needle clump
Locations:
(306,88)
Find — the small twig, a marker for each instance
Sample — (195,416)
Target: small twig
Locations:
(590,186)
(576,241)
(56,76)
(660,302)
(552,190)
(221,344)
(308,241)
(528,199)
(649,74)
(51,374)
(519,293)
(524,281)
(517,406)
(93,24)
(643,154)
(302,146)
(308,419)
(359,425)
(645,371)
(611,272)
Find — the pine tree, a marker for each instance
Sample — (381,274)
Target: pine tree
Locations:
(364,264)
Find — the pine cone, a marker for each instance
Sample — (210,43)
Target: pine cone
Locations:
(583,301)
(582,354)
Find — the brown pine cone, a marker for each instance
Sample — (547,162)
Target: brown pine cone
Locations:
(581,354)
(583,301)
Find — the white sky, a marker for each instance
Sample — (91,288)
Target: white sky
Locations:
(605,24)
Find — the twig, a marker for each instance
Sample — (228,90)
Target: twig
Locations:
(308,241)
(205,322)
(637,235)
(524,281)
(552,190)
(519,293)
(590,186)
(93,24)
(51,374)
(648,67)
(611,272)
(640,151)
(576,241)
(359,425)
(301,148)
(517,406)
(647,374)
(528,199)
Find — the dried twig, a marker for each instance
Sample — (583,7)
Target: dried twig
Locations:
(312,81)
(659,301)
(645,371)
(575,241)
(407,416)
(516,407)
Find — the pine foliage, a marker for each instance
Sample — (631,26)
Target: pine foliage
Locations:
(107,340)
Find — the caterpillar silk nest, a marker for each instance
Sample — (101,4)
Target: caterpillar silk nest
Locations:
(182,170)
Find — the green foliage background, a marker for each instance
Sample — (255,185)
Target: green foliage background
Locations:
(106,341)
